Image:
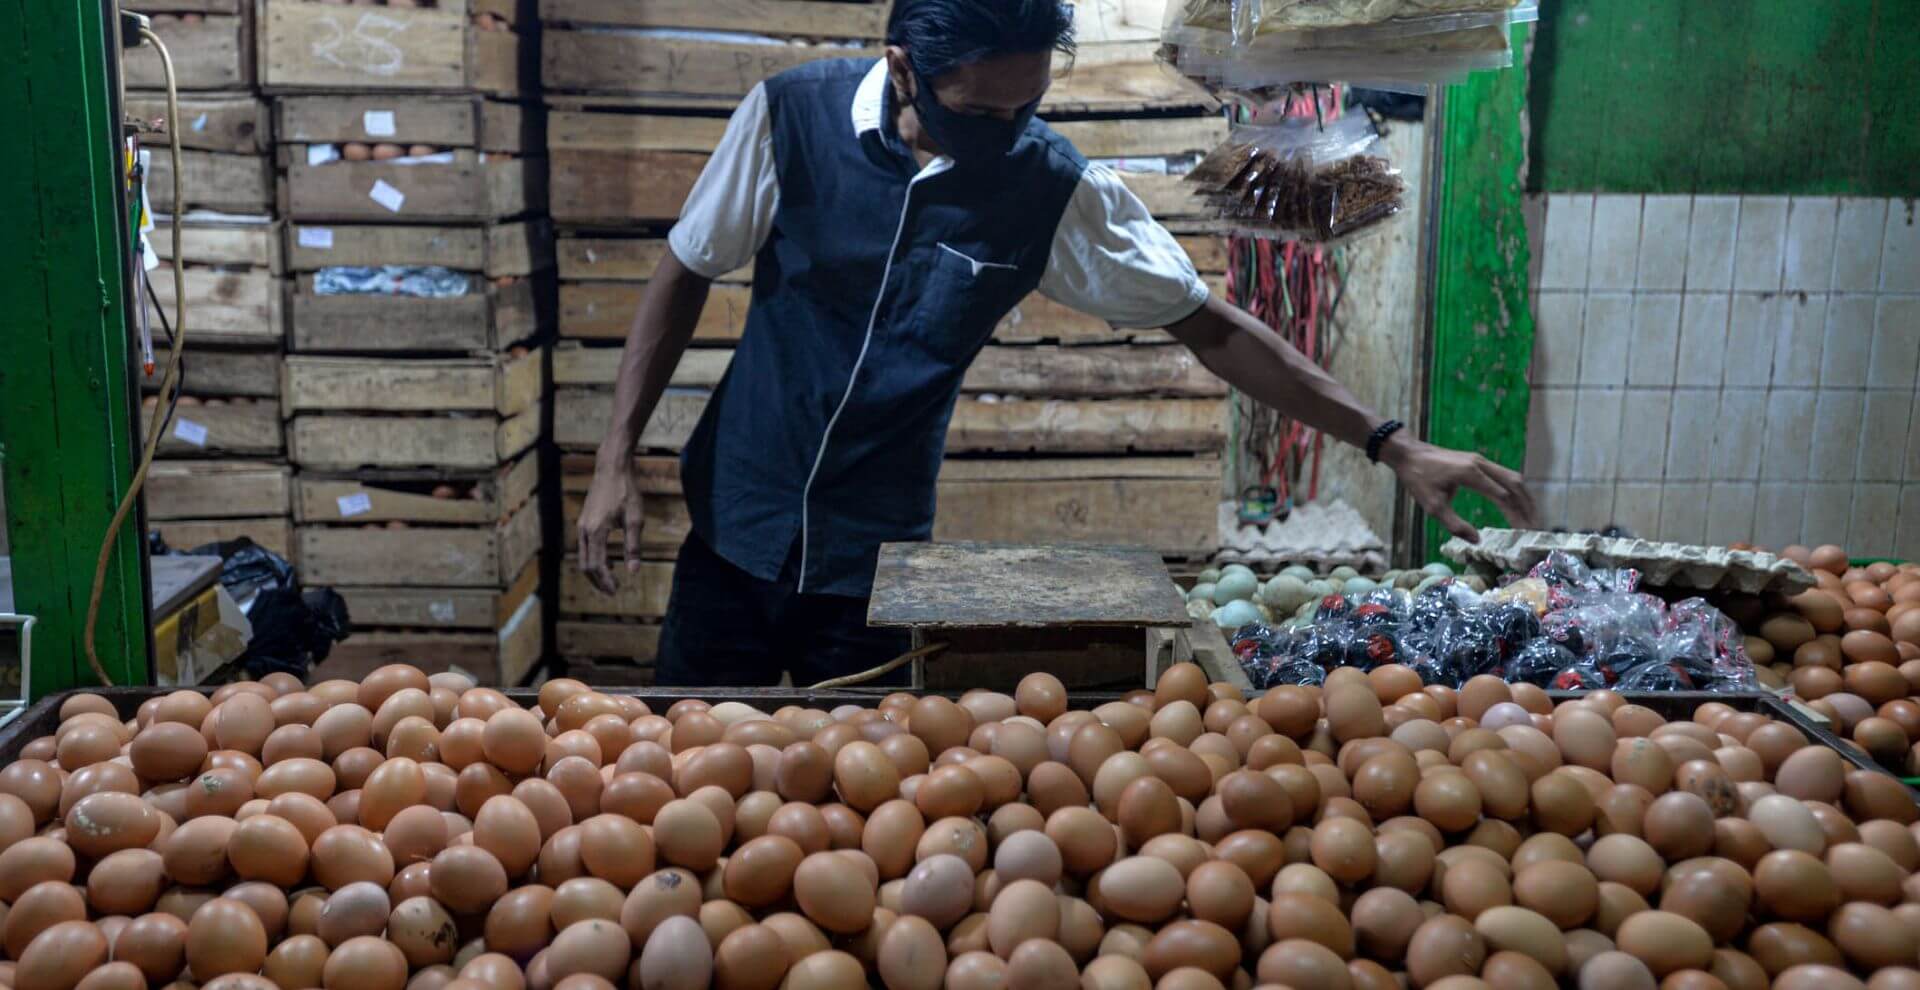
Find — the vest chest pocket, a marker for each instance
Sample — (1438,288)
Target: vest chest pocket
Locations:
(966,296)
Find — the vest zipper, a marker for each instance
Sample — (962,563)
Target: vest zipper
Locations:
(806,492)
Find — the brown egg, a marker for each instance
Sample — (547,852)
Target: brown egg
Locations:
(109,821)
(156,943)
(1871,937)
(61,956)
(359,908)
(1220,892)
(1314,919)
(1795,886)
(1565,893)
(32,861)
(40,908)
(225,936)
(415,835)
(1526,932)
(1299,963)
(1812,773)
(167,751)
(1142,889)
(365,963)
(467,879)
(126,882)
(1778,947)
(760,872)
(1025,909)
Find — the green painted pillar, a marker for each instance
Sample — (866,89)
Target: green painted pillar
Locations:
(66,411)
(1482,326)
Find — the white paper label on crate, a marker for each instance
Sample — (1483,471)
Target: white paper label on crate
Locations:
(353,505)
(320,154)
(378,123)
(442,610)
(190,431)
(386,195)
(317,237)
(200,122)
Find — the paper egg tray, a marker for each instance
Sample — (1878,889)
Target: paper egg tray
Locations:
(1670,565)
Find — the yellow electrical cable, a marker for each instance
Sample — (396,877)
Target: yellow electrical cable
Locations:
(169,380)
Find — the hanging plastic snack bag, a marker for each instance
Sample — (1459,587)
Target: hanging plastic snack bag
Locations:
(1299,181)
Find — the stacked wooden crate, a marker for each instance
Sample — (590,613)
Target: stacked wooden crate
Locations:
(413,177)
(224,475)
(1066,431)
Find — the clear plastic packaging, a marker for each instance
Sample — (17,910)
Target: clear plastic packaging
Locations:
(1299,180)
(418,281)
(1252,49)
(1564,626)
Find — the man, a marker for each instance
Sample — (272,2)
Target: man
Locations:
(894,211)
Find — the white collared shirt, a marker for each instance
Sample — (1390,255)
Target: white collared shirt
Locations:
(1109,257)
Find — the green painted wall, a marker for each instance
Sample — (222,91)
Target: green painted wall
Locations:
(1482,328)
(1760,97)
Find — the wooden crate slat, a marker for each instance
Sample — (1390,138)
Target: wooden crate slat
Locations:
(516,248)
(486,320)
(485,556)
(465,189)
(307,45)
(229,245)
(504,658)
(621,259)
(635,132)
(440,608)
(216,53)
(640,594)
(247,374)
(610,186)
(384,496)
(184,490)
(273,533)
(335,442)
(1144,137)
(604,311)
(502,385)
(587,639)
(242,426)
(1096,370)
(214,181)
(783,17)
(1053,425)
(227,307)
(234,124)
(440,121)
(636,63)
(1013,425)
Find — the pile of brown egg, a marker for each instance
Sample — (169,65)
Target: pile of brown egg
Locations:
(1849,647)
(415,832)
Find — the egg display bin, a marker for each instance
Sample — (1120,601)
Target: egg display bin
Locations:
(44,715)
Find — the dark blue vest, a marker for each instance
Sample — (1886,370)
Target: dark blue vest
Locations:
(871,296)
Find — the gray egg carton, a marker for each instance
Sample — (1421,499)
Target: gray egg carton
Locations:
(1672,565)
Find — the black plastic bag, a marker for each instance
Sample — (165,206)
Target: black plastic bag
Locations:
(292,630)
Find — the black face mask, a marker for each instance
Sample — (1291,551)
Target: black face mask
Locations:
(969,139)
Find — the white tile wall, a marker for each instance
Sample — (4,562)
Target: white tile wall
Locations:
(1809,258)
(1612,260)
(1900,255)
(1758,250)
(1727,368)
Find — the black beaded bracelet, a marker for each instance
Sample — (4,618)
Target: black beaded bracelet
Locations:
(1379,436)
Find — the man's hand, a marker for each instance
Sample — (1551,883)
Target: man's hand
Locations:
(613,499)
(1433,474)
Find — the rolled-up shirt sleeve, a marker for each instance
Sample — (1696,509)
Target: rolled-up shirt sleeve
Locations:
(729,213)
(1112,260)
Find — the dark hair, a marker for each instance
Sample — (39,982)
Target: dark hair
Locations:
(940,35)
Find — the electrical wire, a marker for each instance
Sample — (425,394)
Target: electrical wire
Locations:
(873,672)
(169,380)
